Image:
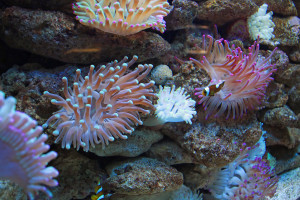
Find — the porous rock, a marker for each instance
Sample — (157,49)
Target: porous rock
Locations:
(137,143)
(214,144)
(280,117)
(222,11)
(275,95)
(78,175)
(141,176)
(182,14)
(294,98)
(68,41)
(283,7)
(169,152)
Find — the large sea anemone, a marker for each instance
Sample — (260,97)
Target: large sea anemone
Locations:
(246,77)
(102,106)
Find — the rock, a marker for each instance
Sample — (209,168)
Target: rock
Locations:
(283,7)
(280,117)
(68,41)
(63,5)
(289,75)
(182,15)
(281,61)
(275,95)
(185,193)
(28,82)
(161,74)
(286,159)
(222,11)
(137,143)
(214,144)
(10,190)
(295,56)
(198,176)
(141,176)
(297,4)
(288,185)
(169,152)
(294,98)
(282,136)
(284,33)
(78,175)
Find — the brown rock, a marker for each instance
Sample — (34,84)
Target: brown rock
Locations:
(280,117)
(58,36)
(142,176)
(214,144)
(137,143)
(62,5)
(170,153)
(286,34)
(282,136)
(289,75)
(283,7)
(275,95)
(222,11)
(294,99)
(78,175)
(182,15)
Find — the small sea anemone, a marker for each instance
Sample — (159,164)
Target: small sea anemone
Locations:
(172,106)
(122,17)
(22,151)
(248,177)
(245,76)
(101,106)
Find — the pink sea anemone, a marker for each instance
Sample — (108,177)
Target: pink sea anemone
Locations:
(246,78)
(22,151)
(101,106)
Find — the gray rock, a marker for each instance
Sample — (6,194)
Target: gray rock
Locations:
(170,153)
(137,143)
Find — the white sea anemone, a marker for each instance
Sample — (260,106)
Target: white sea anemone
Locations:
(172,106)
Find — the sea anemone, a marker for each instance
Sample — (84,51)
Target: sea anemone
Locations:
(247,177)
(22,150)
(101,106)
(245,76)
(172,106)
(122,17)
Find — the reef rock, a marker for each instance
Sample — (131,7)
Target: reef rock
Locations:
(141,176)
(137,143)
(182,15)
(56,35)
(283,7)
(78,175)
(222,11)
(212,144)
(170,153)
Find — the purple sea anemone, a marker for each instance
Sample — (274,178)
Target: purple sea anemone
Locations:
(22,151)
(101,106)
(245,76)
(249,177)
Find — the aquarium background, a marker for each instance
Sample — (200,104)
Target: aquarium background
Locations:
(153,134)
